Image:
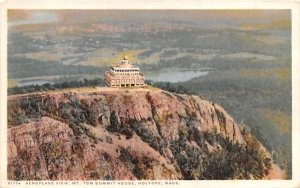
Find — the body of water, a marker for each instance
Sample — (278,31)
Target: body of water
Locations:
(170,75)
(175,75)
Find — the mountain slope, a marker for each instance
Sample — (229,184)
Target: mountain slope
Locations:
(129,134)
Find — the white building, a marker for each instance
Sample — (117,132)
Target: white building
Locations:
(124,75)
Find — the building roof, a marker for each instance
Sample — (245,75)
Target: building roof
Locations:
(125,64)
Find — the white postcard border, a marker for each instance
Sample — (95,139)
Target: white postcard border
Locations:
(156,4)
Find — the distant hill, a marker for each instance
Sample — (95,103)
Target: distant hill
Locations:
(118,134)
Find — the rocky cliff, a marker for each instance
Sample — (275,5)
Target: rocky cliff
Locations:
(129,134)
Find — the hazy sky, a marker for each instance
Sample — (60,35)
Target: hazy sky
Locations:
(119,16)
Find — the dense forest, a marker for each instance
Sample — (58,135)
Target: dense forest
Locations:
(47,86)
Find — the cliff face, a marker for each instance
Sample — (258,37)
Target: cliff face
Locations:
(129,134)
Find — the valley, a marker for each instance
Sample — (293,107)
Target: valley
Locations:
(245,66)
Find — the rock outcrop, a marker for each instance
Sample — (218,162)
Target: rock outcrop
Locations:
(128,134)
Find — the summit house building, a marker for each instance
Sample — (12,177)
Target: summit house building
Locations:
(124,75)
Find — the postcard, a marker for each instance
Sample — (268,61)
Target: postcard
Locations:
(162,94)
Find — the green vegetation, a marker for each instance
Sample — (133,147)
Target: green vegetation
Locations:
(254,88)
(116,127)
(75,113)
(16,115)
(130,162)
(233,161)
(138,167)
(57,86)
(20,67)
(194,161)
(249,100)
